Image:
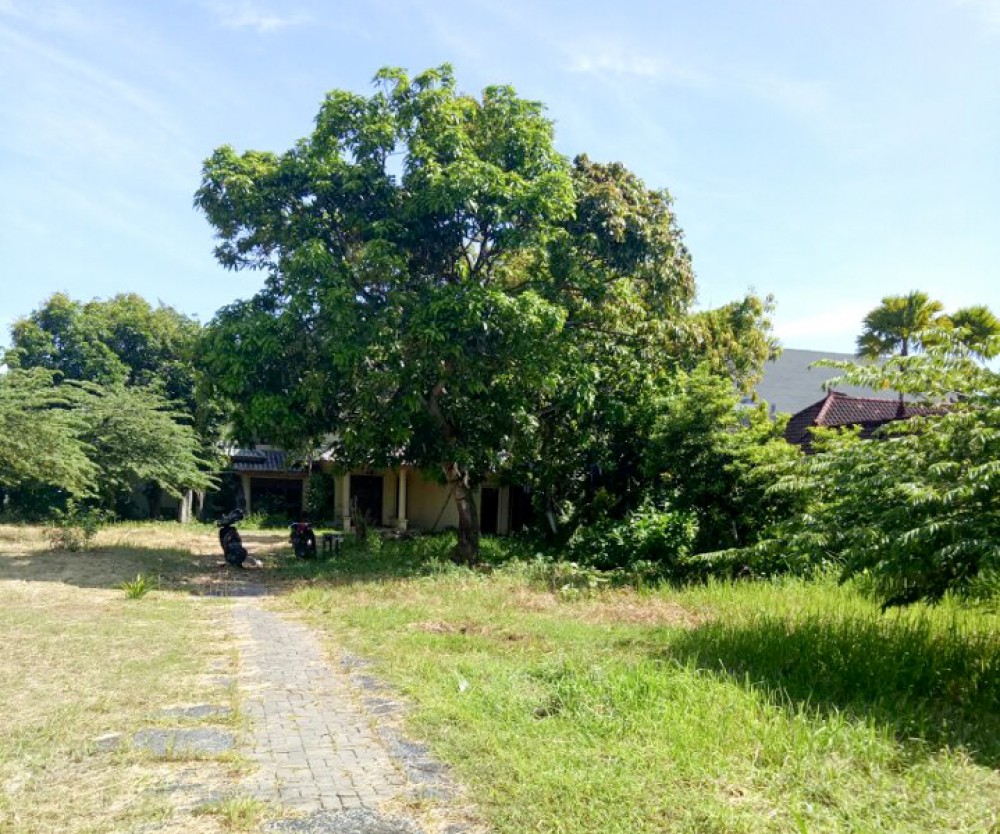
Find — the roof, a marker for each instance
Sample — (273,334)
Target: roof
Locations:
(790,385)
(837,409)
(260,460)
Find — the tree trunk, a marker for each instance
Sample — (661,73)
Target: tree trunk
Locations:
(467,549)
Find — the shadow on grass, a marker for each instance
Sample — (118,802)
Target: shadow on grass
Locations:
(192,562)
(931,685)
(186,563)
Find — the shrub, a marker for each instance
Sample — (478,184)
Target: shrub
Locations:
(319,497)
(75,528)
(662,537)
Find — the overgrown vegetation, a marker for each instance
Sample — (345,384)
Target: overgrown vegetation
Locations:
(916,512)
(569,705)
(101,402)
(448,290)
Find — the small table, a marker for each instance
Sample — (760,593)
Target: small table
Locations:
(332,543)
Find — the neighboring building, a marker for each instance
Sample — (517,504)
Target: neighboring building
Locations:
(789,383)
(837,410)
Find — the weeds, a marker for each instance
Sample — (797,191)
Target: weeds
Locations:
(138,588)
(237,813)
(752,707)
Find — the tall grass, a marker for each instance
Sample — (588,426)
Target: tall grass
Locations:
(727,707)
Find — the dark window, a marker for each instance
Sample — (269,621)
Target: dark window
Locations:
(489,509)
(522,513)
(367,491)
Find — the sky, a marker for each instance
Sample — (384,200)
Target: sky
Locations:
(828,153)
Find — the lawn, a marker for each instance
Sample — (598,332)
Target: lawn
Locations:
(751,707)
(785,706)
(79,662)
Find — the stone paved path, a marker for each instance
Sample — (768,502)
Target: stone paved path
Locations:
(315,748)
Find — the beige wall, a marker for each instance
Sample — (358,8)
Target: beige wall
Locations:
(428,503)
(425,500)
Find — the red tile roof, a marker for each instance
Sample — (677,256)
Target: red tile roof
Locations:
(837,409)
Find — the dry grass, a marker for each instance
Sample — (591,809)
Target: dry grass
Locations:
(79,661)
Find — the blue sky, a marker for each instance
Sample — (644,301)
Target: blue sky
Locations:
(828,153)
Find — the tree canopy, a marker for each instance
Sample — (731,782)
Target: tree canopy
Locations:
(119,341)
(109,391)
(915,510)
(444,289)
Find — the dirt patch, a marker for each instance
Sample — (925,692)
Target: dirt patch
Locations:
(628,607)
(468,629)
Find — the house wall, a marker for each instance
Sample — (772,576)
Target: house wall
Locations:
(427,502)
(429,505)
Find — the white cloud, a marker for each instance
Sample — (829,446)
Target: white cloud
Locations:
(246,15)
(843,320)
(624,62)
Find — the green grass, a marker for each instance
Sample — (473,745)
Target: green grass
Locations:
(754,707)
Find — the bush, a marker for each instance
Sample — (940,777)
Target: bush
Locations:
(663,538)
(75,528)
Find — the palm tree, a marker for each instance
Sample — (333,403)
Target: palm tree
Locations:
(898,324)
(976,327)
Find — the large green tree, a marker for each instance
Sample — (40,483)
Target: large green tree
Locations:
(83,440)
(40,440)
(119,341)
(440,281)
(118,378)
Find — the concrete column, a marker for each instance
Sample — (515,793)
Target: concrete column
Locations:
(344,500)
(247,493)
(401,520)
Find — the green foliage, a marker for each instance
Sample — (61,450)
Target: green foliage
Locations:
(661,537)
(136,436)
(108,390)
(570,580)
(40,435)
(121,341)
(916,512)
(88,441)
(319,496)
(977,328)
(715,459)
(138,588)
(902,322)
(74,528)
(445,289)
(898,324)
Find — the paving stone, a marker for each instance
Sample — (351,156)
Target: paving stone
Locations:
(108,741)
(352,821)
(312,736)
(196,711)
(181,742)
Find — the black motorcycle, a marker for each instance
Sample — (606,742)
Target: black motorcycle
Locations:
(229,537)
(303,540)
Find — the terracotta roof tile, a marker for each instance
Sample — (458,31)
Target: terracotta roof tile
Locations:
(837,410)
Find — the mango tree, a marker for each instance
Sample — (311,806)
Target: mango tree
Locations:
(440,281)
